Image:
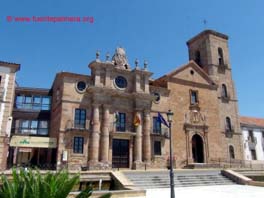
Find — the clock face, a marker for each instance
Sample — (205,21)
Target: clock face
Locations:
(120,82)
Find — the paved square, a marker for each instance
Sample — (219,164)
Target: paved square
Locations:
(224,191)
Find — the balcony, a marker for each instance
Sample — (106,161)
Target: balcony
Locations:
(225,98)
(30,131)
(252,142)
(71,126)
(222,67)
(163,132)
(229,131)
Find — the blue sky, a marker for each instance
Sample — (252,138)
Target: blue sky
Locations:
(148,29)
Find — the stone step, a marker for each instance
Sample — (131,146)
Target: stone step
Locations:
(184,181)
(178,177)
(177,181)
(161,179)
(167,186)
(181,178)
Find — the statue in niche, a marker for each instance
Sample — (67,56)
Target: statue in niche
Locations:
(120,59)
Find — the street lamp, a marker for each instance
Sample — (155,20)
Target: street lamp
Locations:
(169,116)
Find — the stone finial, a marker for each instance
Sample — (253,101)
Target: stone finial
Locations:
(145,65)
(107,57)
(136,63)
(97,55)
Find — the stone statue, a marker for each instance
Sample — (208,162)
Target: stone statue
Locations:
(120,59)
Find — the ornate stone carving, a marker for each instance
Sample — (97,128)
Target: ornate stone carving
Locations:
(195,117)
(195,121)
(120,58)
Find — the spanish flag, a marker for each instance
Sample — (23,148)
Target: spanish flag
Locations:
(136,120)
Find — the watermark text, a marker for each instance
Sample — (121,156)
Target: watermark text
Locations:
(50,19)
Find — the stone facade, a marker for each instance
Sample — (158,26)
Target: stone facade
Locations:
(214,59)
(110,119)
(200,130)
(7,90)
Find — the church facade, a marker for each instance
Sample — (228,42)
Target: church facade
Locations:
(110,119)
(94,116)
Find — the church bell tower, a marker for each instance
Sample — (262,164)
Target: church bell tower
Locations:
(209,50)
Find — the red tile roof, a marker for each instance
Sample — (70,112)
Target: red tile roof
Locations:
(252,121)
(8,63)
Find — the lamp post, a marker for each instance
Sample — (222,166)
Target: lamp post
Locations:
(169,116)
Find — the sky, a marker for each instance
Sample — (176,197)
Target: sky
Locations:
(151,30)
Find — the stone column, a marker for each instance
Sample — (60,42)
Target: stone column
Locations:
(146,137)
(105,135)
(94,144)
(138,141)
(5,148)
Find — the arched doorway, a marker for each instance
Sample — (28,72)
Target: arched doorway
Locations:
(197,149)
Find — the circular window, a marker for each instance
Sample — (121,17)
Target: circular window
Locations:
(157,97)
(81,86)
(120,82)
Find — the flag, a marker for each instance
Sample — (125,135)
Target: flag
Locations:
(136,120)
(116,117)
(162,120)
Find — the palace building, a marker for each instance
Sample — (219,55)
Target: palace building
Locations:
(109,119)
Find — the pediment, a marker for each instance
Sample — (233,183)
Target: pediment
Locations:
(191,72)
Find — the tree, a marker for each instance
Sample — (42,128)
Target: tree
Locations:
(32,184)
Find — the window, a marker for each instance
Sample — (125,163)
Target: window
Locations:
(194,97)
(36,102)
(28,102)
(231,152)
(156,125)
(157,97)
(250,135)
(121,82)
(78,145)
(19,102)
(224,91)
(81,86)
(33,102)
(43,127)
(253,154)
(80,118)
(121,122)
(198,58)
(24,126)
(28,127)
(228,124)
(33,127)
(157,148)
(45,103)
(220,56)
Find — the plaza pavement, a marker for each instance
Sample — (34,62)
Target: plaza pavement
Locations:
(222,191)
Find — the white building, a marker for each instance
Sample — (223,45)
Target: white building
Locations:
(253,139)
